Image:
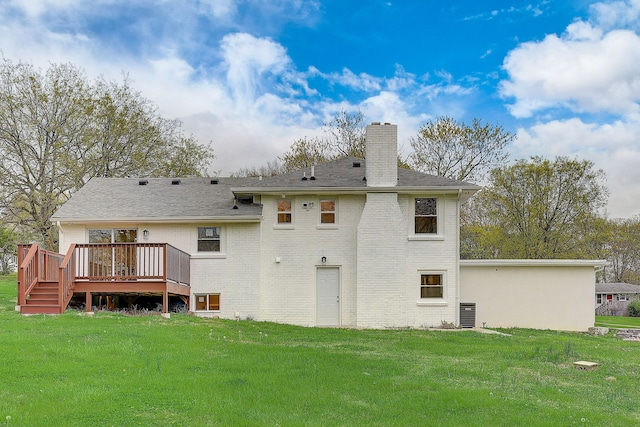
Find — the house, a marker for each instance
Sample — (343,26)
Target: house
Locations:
(353,242)
(612,299)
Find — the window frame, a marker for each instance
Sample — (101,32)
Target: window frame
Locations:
(333,212)
(283,212)
(434,215)
(212,239)
(207,303)
(427,286)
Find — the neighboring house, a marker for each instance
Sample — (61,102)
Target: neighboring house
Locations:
(353,242)
(613,298)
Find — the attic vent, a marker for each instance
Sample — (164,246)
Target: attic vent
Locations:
(143,182)
(356,164)
(214,182)
(175,182)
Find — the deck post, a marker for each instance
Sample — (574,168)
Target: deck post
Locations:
(165,302)
(87,302)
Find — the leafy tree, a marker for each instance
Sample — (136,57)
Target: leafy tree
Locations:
(452,149)
(535,209)
(8,245)
(58,130)
(620,245)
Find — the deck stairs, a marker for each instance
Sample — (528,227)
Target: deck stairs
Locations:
(43,299)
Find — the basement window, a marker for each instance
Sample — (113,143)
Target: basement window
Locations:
(207,302)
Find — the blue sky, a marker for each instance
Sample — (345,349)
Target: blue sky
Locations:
(251,76)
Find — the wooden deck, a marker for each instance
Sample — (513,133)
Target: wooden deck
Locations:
(47,280)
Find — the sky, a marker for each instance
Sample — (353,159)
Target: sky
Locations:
(249,77)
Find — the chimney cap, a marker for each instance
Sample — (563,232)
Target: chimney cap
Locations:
(375,123)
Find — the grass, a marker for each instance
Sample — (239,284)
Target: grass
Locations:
(115,370)
(618,322)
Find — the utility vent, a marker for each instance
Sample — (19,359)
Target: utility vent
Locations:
(467,314)
(214,182)
(175,182)
(356,164)
(143,182)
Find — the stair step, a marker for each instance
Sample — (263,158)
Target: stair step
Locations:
(40,309)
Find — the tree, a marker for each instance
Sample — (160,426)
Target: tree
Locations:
(269,169)
(8,245)
(345,136)
(58,130)
(535,209)
(455,150)
(620,245)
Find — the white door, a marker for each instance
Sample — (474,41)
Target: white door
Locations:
(328,296)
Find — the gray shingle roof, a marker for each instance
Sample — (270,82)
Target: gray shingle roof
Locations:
(196,198)
(617,288)
(124,198)
(342,174)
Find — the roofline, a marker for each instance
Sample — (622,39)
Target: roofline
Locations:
(352,190)
(533,263)
(163,220)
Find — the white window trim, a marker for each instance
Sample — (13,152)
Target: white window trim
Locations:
(329,225)
(433,302)
(285,225)
(439,234)
(210,255)
(207,304)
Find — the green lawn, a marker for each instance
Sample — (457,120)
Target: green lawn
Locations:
(618,322)
(114,370)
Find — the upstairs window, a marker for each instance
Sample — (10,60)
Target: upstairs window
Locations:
(327,211)
(426,215)
(208,239)
(284,212)
(431,286)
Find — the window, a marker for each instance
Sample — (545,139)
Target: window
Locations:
(208,302)
(113,236)
(623,297)
(284,212)
(327,211)
(426,215)
(431,286)
(599,299)
(208,239)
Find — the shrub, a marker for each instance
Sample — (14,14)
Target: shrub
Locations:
(634,309)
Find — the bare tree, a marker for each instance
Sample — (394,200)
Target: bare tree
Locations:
(58,129)
(454,150)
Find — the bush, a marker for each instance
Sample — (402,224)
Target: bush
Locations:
(634,309)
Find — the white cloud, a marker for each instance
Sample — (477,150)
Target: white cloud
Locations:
(616,14)
(580,71)
(248,58)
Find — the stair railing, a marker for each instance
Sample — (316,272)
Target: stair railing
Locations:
(66,278)
(28,273)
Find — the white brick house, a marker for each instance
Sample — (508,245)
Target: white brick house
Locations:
(346,243)
(353,242)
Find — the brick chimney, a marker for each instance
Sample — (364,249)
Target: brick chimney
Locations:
(381,155)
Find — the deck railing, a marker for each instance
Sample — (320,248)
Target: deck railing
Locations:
(131,261)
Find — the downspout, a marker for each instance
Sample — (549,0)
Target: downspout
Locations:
(459,284)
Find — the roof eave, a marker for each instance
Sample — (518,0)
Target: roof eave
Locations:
(354,190)
(161,220)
